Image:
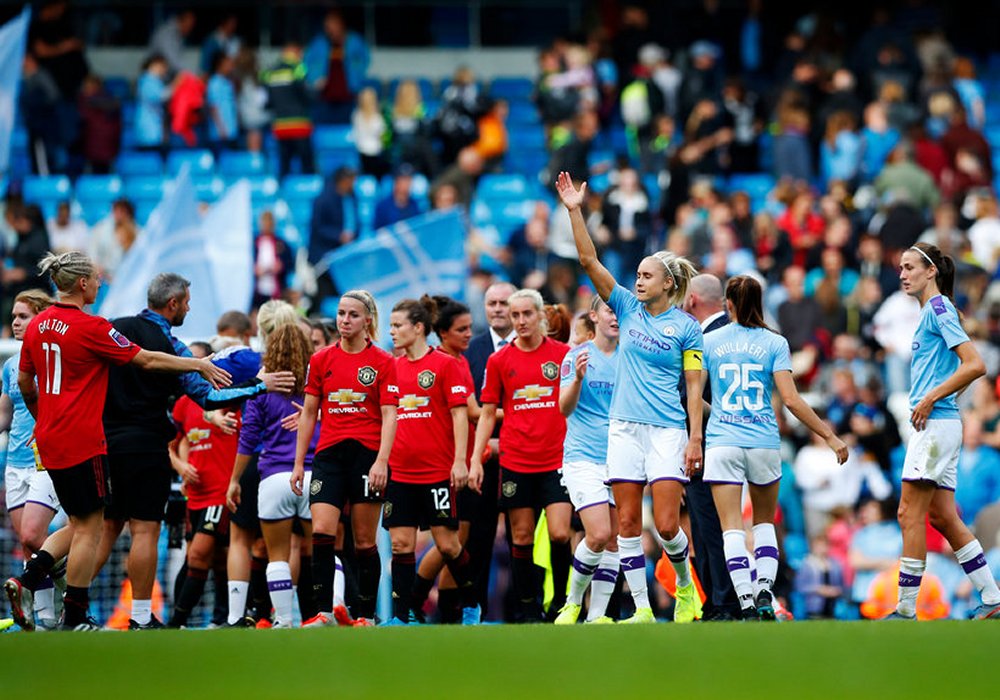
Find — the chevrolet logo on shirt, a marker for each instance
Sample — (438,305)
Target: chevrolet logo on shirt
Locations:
(533,392)
(196,435)
(345,397)
(412,402)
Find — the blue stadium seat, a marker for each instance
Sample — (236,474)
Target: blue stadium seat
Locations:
(366,187)
(427,90)
(301,187)
(144,188)
(796,549)
(95,193)
(263,188)
(131,163)
(119,87)
(756,185)
(328,160)
(512,88)
(366,212)
(526,161)
(512,186)
(331,136)
(600,160)
(143,208)
(523,113)
(208,188)
(235,164)
(201,162)
(19,139)
(523,136)
(376,85)
(599,183)
(992,134)
(41,188)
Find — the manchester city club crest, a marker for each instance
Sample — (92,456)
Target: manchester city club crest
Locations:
(669,331)
(387,509)
(509,488)
(314,486)
(425,379)
(550,370)
(367,375)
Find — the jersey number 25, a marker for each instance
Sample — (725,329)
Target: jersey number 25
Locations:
(752,390)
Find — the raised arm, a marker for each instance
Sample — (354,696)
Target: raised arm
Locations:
(163,362)
(572,199)
(801,410)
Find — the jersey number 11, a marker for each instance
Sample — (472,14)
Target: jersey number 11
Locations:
(53,368)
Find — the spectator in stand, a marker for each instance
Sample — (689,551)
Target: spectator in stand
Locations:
(820,580)
(67,233)
(273,262)
(220,101)
(970,92)
(841,150)
(703,78)
(492,142)
(573,156)
(462,175)
(530,255)
(895,323)
(368,130)
(53,41)
(871,263)
(944,232)
(100,125)
(462,105)
(984,234)
(399,204)
(832,271)
(186,107)
(792,151)
(557,102)
(221,42)
(39,104)
(168,40)
(874,425)
(963,137)
(879,138)
(111,238)
(337,63)
(798,315)
(411,130)
(803,225)
(252,105)
(843,96)
(875,547)
(290,104)
(705,150)
(741,109)
(21,271)
(334,223)
(823,483)
(152,93)
(666,77)
(628,217)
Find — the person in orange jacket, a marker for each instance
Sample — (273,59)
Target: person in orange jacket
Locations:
(932,601)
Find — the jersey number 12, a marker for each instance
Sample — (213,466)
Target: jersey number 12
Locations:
(742,382)
(53,368)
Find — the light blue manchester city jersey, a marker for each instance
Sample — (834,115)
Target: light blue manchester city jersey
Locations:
(651,364)
(587,425)
(19,454)
(933,361)
(741,363)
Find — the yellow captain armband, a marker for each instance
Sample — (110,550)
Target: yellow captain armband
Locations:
(38,458)
(692,360)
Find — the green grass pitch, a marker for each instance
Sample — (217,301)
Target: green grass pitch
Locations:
(730,660)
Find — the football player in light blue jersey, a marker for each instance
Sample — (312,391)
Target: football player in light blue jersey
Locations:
(647,441)
(745,361)
(31,498)
(943,364)
(587,380)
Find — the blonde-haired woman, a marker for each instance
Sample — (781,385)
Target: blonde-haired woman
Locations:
(368,128)
(522,378)
(647,440)
(411,130)
(352,392)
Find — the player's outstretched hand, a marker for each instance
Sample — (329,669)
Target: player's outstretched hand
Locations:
(216,376)
(297,479)
(571,197)
(378,477)
(476,475)
(459,475)
(277,382)
(233,495)
(838,446)
(291,421)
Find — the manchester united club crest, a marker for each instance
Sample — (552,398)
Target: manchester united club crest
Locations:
(315,486)
(550,370)
(509,488)
(425,379)
(387,509)
(367,375)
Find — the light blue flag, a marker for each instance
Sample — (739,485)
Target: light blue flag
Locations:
(214,252)
(13,37)
(417,256)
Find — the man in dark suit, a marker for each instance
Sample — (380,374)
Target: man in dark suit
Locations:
(484,509)
(335,221)
(705,302)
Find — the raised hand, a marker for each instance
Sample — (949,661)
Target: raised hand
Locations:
(571,197)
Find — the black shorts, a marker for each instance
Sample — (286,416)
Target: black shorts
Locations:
(83,489)
(140,485)
(420,505)
(536,490)
(340,475)
(470,503)
(213,520)
(246,512)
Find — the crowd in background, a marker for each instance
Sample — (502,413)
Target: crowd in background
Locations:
(810,160)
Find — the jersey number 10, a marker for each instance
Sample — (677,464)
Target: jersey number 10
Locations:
(742,382)
(53,368)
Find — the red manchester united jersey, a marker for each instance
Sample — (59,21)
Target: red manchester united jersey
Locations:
(212,454)
(69,351)
(526,386)
(467,376)
(429,388)
(352,389)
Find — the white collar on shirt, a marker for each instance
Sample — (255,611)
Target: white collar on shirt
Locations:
(496,338)
(711,319)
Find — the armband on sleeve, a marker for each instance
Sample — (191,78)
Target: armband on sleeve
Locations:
(692,360)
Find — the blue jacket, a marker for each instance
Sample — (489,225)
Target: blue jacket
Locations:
(356,59)
(332,214)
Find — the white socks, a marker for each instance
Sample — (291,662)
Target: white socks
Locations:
(677,553)
(734,545)
(603,585)
(142,611)
(585,563)
(279,585)
(765,553)
(911,571)
(974,563)
(633,563)
(238,591)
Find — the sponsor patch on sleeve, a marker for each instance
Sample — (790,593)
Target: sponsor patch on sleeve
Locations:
(937,303)
(120,340)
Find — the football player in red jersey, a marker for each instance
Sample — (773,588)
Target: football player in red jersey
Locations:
(523,379)
(203,454)
(352,387)
(428,460)
(70,351)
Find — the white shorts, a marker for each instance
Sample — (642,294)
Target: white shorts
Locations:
(587,483)
(42,491)
(932,453)
(17,483)
(725,464)
(277,501)
(642,454)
